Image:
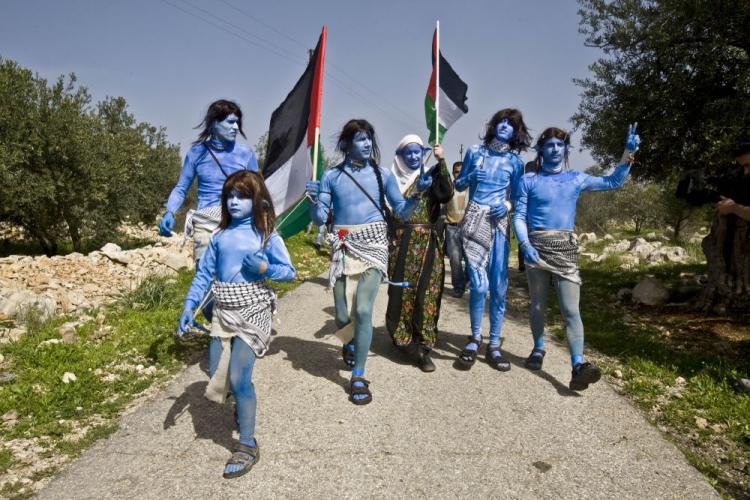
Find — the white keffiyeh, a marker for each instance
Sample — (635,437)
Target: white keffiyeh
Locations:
(405,175)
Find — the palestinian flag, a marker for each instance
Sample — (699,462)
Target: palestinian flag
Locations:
(452,95)
(293,139)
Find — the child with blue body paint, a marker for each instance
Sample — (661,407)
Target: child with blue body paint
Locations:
(241,255)
(543,221)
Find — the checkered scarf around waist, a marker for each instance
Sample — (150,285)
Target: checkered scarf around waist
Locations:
(247,308)
(368,242)
(478,232)
(558,253)
(207,218)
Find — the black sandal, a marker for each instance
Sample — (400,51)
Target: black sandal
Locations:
(357,390)
(535,359)
(583,375)
(348,355)
(244,455)
(499,361)
(468,357)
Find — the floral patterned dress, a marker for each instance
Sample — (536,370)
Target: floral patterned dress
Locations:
(416,256)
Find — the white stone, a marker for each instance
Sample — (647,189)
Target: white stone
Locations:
(650,292)
(69,377)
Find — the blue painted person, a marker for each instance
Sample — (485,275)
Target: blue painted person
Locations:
(243,253)
(356,190)
(213,157)
(544,220)
(490,171)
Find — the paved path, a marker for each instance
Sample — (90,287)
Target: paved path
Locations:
(448,434)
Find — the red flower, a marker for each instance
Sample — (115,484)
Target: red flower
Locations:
(342,233)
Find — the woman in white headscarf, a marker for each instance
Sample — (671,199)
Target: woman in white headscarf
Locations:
(416,254)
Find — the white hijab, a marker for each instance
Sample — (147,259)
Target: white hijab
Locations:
(404,175)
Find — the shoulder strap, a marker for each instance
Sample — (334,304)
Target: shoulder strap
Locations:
(382,212)
(205,145)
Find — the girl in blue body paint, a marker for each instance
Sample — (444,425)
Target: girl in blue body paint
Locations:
(356,190)
(243,252)
(543,222)
(491,172)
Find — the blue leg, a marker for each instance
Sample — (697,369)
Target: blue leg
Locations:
(568,294)
(538,294)
(367,290)
(241,382)
(342,316)
(498,277)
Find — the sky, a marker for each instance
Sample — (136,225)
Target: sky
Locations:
(171,58)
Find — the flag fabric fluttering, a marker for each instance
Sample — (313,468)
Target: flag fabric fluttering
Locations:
(293,142)
(451,94)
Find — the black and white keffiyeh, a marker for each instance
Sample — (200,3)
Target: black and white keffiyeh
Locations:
(498,146)
(477,233)
(368,243)
(246,308)
(207,219)
(558,253)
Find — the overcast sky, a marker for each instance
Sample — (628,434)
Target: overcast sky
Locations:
(170,58)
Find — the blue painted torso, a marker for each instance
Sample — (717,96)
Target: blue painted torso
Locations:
(199,164)
(223,259)
(350,205)
(503,172)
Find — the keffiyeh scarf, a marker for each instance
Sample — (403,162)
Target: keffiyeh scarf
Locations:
(558,253)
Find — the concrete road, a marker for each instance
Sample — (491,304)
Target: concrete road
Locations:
(447,434)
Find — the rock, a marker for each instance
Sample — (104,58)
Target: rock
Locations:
(68,332)
(619,247)
(586,238)
(174,261)
(90,288)
(7,378)
(642,248)
(617,374)
(100,318)
(628,262)
(742,385)
(680,381)
(608,237)
(650,292)
(2,358)
(115,254)
(14,302)
(701,422)
(10,417)
(50,342)
(69,377)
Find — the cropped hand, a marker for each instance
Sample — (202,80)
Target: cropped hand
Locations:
(424,181)
(478,175)
(499,211)
(167,224)
(313,189)
(438,152)
(725,206)
(186,318)
(632,140)
(255,263)
(530,254)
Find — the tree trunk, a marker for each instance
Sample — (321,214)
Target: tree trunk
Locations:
(727,249)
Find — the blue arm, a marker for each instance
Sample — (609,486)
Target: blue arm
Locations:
(462,181)
(519,215)
(177,196)
(204,274)
(252,161)
(402,207)
(280,266)
(613,181)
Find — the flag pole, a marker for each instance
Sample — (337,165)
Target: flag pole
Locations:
(437,81)
(319,99)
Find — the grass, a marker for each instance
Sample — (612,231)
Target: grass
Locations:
(678,373)
(111,362)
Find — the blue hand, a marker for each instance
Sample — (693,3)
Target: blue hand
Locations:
(479,175)
(632,140)
(312,188)
(424,182)
(530,254)
(186,318)
(499,211)
(255,263)
(167,224)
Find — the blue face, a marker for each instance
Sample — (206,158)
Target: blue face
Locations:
(361,147)
(226,130)
(239,206)
(553,152)
(412,155)
(504,130)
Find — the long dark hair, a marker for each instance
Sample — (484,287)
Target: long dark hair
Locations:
(344,141)
(521,139)
(550,133)
(250,185)
(218,111)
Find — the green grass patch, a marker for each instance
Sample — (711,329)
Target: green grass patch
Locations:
(112,362)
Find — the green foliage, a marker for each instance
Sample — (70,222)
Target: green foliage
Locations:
(73,171)
(680,69)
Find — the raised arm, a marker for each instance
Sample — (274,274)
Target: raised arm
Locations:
(462,181)
(617,178)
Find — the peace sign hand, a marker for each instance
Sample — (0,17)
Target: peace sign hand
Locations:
(632,140)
